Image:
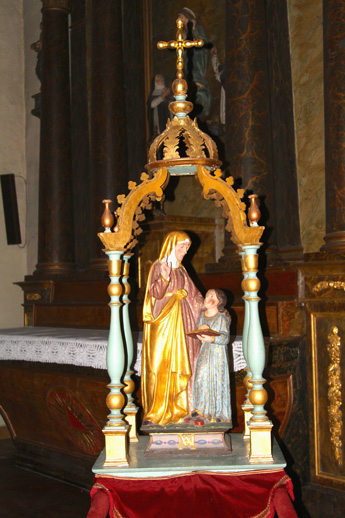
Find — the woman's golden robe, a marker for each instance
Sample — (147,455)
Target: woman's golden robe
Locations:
(169,357)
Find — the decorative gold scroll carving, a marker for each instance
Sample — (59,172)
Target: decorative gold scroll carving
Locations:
(334,394)
(324,285)
(214,187)
(33,296)
(130,212)
(197,142)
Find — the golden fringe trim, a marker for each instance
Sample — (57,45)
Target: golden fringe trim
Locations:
(192,473)
(116,512)
(266,511)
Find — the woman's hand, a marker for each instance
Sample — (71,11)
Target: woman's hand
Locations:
(165,269)
(165,93)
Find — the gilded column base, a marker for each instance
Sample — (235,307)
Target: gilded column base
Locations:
(260,443)
(131,418)
(247,409)
(116,447)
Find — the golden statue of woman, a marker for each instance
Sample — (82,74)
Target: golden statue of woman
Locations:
(171,307)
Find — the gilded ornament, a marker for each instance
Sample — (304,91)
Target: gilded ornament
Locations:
(251,285)
(258,397)
(324,285)
(115,402)
(114,290)
(334,394)
(186,441)
(251,262)
(126,269)
(107,217)
(131,208)
(33,296)
(115,267)
(254,213)
(246,381)
(180,107)
(129,386)
(214,187)
(179,87)
(179,44)
(198,146)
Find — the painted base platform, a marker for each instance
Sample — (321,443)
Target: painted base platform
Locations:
(188,438)
(195,443)
(140,465)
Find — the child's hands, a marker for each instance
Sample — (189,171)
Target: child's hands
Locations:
(205,338)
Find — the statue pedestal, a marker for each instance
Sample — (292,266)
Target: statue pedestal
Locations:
(141,465)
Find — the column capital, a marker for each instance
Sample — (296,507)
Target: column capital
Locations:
(56,5)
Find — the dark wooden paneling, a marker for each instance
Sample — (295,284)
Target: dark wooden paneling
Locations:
(275,283)
(82,315)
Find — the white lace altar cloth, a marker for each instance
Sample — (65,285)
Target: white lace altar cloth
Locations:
(239,362)
(83,347)
(77,346)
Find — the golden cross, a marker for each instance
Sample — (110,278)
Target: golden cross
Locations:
(180,44)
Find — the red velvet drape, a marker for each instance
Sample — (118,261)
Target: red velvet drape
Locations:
(195,495)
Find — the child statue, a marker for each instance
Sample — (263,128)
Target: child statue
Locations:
(211,390)
(171,307)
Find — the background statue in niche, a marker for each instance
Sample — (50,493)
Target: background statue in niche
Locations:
(211,390)
(219,72)
(171,307)
(195,64)
(37,47)
(158,106)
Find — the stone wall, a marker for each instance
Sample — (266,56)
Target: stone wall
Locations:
(306,44)
(32,19)
(12,138)
(19,137)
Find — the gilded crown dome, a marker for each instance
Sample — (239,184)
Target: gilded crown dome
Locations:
(182,146)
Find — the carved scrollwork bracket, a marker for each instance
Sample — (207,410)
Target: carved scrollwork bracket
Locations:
(130,211)
(214,187)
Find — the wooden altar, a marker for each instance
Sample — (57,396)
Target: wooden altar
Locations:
(59,433)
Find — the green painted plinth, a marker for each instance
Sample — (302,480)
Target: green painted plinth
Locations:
(141,465)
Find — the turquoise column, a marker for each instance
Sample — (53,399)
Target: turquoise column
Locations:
(259,424)
(116,429)
(130,409)
(255,341)
(246,312)
(247,406)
